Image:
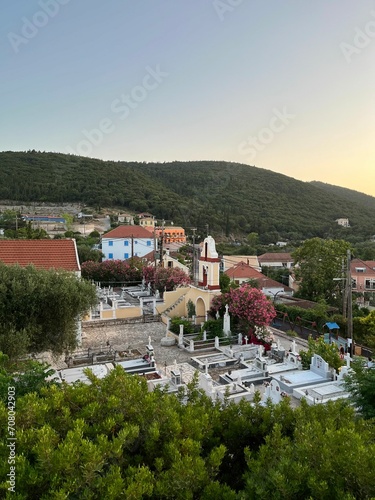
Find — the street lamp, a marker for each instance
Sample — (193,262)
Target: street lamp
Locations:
(275,294)
(350,305)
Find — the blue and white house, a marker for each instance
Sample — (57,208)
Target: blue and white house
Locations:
(125,242)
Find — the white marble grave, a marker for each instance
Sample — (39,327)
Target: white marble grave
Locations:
(319,373)
(272,392)
(71,375)
(234,391)
(324,392)
(226,325)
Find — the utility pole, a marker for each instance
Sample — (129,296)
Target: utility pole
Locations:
(161,244)
(345,289)
(350,308)
(132,243)
(155,249)
(193,260)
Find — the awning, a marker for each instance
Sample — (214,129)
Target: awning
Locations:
(332,326)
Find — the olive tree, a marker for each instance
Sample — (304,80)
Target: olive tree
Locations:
(39,309)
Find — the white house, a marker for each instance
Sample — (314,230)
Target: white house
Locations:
(276,260)
(343,221)
(169,261)
(125,242)
(229,261)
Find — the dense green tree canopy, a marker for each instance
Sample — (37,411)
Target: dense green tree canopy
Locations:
(318,264)
(361,384)
(11,219)
(39,309)
(212,192)
(25,376)
(326,456)
(115,440)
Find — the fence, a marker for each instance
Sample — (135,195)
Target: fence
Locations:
(302,328)
(282,322)
(192,343)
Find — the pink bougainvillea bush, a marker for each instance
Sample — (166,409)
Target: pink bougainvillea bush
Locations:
(251,306)
(165,278)
(132,272)
(247,304)
(218,304)
(113,271)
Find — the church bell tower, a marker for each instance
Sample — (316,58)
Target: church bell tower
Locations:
(209,266)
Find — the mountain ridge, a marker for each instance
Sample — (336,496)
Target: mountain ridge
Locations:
(231,198)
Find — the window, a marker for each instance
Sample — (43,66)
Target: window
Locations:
(126,255)
(110,256)
(126,243)
(360,269)
(136,242)
(148,243)
(370,284)
(110,243)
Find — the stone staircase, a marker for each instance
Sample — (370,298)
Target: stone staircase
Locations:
(175,304)
(150,318)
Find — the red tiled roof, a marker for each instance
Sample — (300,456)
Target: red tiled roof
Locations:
(275,257)
(43,254)
(149,257)
(370,263)
(358,263)
(244,271)
(128,232)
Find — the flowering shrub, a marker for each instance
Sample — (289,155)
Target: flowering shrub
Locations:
(246,303)
(165,278)
(218,304)
(251,306)
(112,271)
(264,333)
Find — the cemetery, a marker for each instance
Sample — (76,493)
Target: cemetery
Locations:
(124,302)
(225,372)
(131,361)
(230,367)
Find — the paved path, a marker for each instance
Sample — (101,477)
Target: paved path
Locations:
(136,337)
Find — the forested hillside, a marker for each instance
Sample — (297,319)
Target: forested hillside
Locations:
(233,199)
(347,194)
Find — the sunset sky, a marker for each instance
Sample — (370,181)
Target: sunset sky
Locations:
(285,85)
